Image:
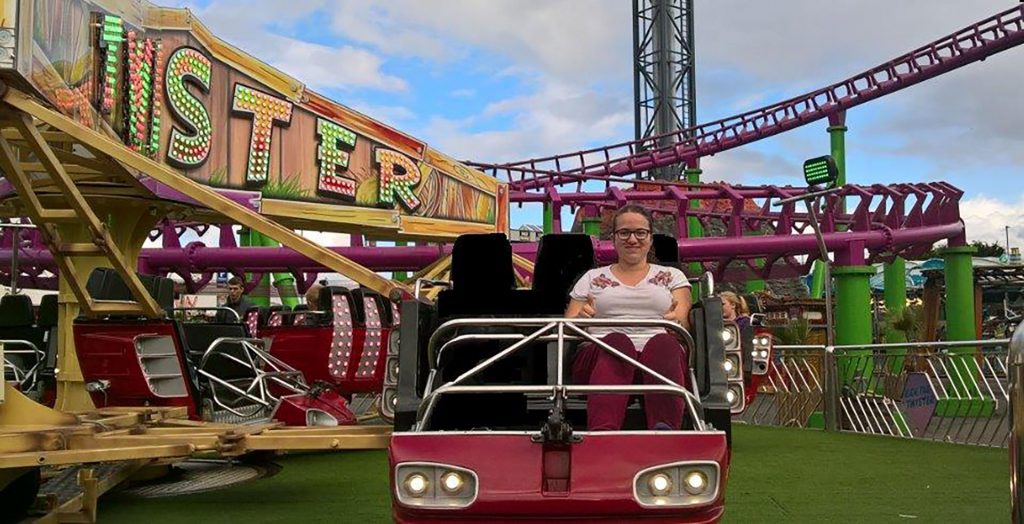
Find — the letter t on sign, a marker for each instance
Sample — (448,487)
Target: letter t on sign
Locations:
(267,111)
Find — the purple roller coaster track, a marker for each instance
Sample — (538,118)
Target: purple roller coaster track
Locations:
(759,241)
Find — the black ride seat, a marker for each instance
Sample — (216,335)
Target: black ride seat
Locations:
(17,322)
(47,321)
(483,284)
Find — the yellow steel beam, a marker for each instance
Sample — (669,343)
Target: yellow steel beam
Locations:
(77,202)
(205,196)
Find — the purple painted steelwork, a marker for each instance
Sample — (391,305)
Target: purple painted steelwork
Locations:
(971,44)
(765,240)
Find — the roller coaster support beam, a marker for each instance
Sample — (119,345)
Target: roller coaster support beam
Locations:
(960,325)
(895,274)
(591,221)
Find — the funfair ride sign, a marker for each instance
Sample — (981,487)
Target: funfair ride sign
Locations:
(165,86)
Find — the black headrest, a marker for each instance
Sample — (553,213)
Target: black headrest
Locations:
(561,261)
(666,250)
(327,297)
(482,262)
(16,311)
(47,311)
(301,307)
(165,293)
(383,306)
(105,284)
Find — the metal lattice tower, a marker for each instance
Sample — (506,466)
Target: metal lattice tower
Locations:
(664,80)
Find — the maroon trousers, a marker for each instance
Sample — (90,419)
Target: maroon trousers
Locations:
(662,354)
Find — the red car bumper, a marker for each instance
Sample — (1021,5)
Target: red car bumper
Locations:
(595,483)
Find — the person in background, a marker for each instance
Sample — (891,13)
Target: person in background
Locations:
(734,308)
(313,297)
(236,301)
(632,288)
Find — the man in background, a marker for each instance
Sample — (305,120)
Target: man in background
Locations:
(236,301)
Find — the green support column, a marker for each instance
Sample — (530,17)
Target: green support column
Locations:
(592,225)
(400,275)
(895,274)
(755,284)
(284,282)
(549,218)
(694,227)
(259,296)
(853,319)
(837,140)
(959,276)
(895,295)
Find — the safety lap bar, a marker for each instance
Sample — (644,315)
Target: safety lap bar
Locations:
(559,326)
(26,379)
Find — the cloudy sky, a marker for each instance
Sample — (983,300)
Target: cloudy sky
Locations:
(495,80)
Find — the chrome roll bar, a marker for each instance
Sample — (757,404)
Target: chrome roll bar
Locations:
(25,378)
(267,370)
(550,329)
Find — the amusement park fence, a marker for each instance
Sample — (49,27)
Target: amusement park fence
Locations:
(943,391)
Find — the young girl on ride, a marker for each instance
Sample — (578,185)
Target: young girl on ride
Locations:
(734,308)
(632,288)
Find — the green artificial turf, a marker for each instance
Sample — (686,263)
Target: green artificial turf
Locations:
(777,475)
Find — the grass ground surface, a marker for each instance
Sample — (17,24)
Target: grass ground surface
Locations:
(777,475)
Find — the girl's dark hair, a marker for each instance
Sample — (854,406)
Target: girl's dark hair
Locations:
(632,208)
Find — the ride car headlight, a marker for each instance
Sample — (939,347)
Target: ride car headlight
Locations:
(388,403)
(318,417)
(438,486)
(394,342)
(696,482)
(734,395)
(660,484)
(732,366)
(392,375)
(416,484)
(452,482)
(731,336)
(678,484)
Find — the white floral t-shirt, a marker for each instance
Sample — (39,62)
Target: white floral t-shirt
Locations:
(650,298)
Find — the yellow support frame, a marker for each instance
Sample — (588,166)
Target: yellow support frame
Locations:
(107,147)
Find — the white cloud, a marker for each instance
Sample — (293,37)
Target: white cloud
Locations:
(553,117)
(257,26)
(578,39)
(987,217)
